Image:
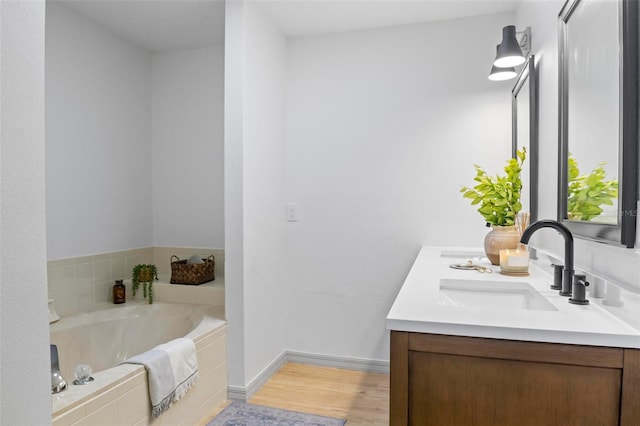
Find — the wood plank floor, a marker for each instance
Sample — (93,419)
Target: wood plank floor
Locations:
(360,397)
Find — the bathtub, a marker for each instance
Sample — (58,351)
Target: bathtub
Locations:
(119,395)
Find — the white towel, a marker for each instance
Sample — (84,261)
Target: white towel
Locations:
(172,369)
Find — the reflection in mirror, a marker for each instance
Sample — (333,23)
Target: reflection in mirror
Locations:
(592,39)
(525,133)
(591,196)
(598,137)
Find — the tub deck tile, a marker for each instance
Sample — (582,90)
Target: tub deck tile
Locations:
(75,396)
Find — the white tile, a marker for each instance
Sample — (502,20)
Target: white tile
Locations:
(104,416)
(133,406)
(101,257)
(207,410)
(118,270)
(143,422)
(211,356)
(60,262)
(102,271)
(208,338)
(60,278)
(83,274)
(83,259)
(103,293)
(70,416)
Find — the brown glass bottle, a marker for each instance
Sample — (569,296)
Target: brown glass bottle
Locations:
(119,292)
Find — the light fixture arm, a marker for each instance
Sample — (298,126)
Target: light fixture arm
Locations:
(524,40)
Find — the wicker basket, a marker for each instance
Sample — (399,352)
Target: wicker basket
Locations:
(192,273)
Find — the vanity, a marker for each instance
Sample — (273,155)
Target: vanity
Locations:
(473,348)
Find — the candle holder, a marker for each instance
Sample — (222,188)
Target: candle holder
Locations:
(514,262)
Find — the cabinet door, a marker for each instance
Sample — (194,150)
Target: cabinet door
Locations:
(454,390)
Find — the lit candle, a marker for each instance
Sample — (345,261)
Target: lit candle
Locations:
(514,260)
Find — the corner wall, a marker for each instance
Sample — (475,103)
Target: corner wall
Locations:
(233,190)
(264,191)
(255,233)
(188,150)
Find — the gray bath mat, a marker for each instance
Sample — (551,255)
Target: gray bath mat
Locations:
(240,414)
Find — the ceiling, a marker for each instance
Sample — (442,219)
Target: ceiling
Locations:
(159,25)
(299,18)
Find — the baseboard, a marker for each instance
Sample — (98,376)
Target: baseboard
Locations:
(237,393)
(240,393)
(347,363)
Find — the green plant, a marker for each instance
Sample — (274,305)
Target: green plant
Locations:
(499,196)
(144,274)
(586,193)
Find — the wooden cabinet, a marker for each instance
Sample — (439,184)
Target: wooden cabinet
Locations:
(452,380)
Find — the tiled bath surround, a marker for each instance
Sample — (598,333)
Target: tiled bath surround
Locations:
(80,284)
(127,402)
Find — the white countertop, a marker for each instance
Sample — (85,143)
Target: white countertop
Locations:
(417,307)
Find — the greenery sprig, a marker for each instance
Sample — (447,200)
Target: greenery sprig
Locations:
(144,274)
(499,196)
(586,193)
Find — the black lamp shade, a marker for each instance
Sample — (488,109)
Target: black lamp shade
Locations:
(509,52)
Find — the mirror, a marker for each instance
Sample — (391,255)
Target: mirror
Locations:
(598,138)
(524,132)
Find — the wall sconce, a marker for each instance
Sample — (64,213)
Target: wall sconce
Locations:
(510,53)
(500,74)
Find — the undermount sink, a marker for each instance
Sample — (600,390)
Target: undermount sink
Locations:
(503,295)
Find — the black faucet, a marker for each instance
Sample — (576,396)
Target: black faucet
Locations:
(567,278)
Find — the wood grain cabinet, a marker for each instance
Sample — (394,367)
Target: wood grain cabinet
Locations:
(453,380)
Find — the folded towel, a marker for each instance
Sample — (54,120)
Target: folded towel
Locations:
(172,369)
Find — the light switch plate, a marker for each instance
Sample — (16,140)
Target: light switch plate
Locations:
(292,212)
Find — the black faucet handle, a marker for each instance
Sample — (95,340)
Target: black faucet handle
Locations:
(557,277)
(580,285)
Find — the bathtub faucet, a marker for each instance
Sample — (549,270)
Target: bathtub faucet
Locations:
(58,384)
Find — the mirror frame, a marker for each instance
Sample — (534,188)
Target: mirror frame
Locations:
(528,73)
(624,232)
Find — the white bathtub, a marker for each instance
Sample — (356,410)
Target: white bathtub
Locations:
(105,338)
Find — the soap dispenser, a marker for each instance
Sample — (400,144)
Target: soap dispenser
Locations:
(119,292)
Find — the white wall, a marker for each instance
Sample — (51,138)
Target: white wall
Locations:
(233,190)
(265,237)
(188,151)
(383,128)
(134,142)
(616,265)
(542,18)
(24,357)
(255,240)
(98,136)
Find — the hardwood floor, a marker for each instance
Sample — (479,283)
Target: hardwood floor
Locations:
(360,397)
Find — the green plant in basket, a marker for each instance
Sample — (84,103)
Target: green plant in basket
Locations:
(144,274)
(498,197)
